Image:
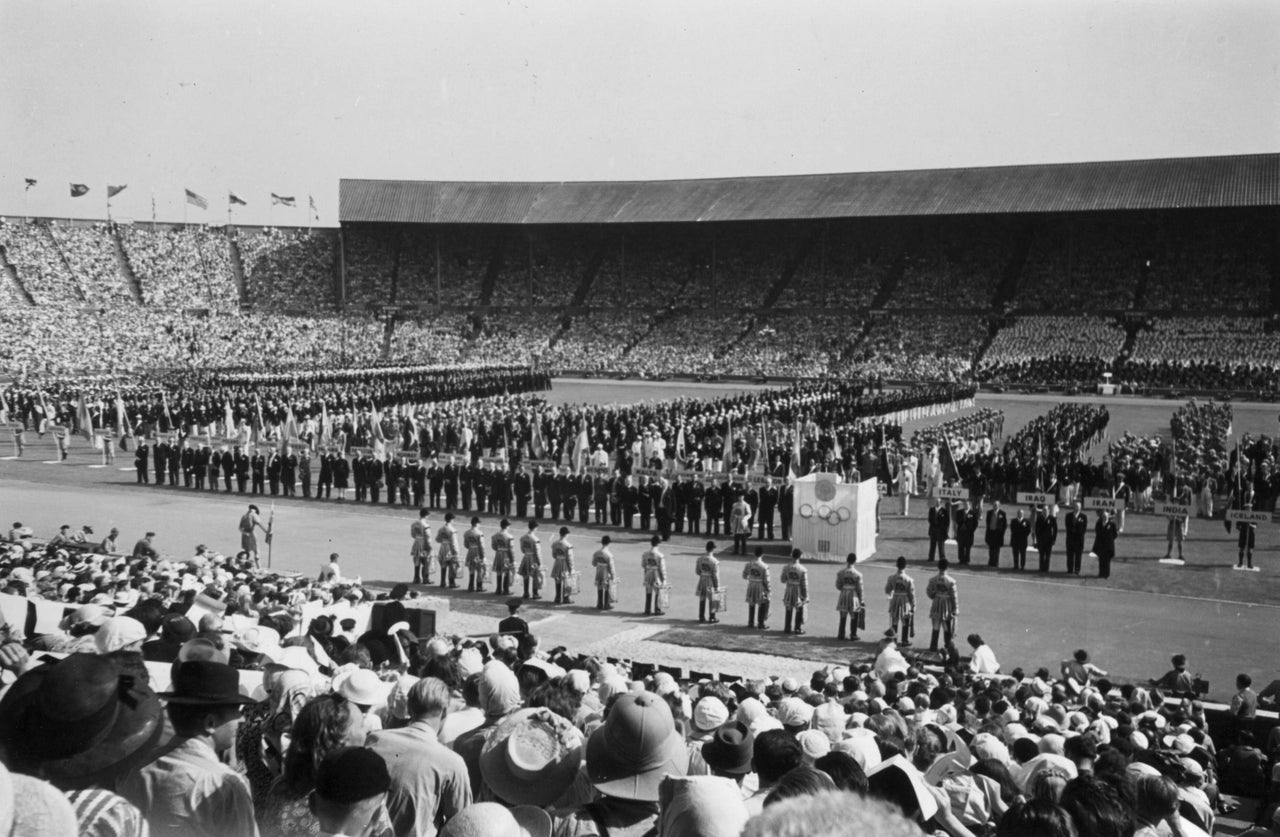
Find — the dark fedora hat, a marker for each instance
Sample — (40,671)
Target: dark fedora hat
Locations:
(206,683)
(81,721)
(729,749)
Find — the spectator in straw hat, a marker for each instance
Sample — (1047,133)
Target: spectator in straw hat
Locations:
(187,789)
(532,758)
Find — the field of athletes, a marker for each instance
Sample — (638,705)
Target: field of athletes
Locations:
(1224,621)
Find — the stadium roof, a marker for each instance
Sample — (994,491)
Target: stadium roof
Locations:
(1183,183)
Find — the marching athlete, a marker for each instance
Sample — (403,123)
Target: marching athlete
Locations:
(447,537)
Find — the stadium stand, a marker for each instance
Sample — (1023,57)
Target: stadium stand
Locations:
(286,268)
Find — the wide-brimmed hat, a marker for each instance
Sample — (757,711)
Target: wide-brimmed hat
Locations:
(259,639)
(638,743)
(362,687)
(118,632)
(532,757)
(489,819)
(729,749)
(205,683)
(80,721)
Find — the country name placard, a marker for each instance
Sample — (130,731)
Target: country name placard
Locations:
(1243,516)
(1034,498)
(951,493)
(1112,503)
(1173,509)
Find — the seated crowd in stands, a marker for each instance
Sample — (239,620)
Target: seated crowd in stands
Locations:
(291,712)
(1052,350)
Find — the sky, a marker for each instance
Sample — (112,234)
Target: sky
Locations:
(290,96)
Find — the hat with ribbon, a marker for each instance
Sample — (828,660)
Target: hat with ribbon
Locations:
(79,721)
(205,683)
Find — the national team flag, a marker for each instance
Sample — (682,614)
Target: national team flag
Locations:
(726,455)
(536,445)
(314,211)
(283,200)
(837,450)
(112,191)
(581,449)
(31,181)
(324,424)
(795,453)
(680,446)
(229,420)
(235,199)
(290,430)
(762,456)
(84,419)
(196,200)
(79,190)
(121,420)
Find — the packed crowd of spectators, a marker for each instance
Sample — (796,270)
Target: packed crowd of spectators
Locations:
(182,267)
(298,713)
(435,338)
(595,341)
(1205,353)
(642,269)
(287,268)
(1081,266)
(1052,351)
(513,336)
(801,345)
(543,269)
(928,347)
(90,253)
(844,268)
(684,343)
(957,266)
(31,248)
(1210,267)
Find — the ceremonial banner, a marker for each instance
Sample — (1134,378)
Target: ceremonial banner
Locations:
(833,518)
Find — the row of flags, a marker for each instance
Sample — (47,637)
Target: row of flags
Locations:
(79,190)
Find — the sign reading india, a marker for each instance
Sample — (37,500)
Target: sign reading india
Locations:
(1034,498)
(1112,503)
(951,492)
(1243,516)
(1173,509)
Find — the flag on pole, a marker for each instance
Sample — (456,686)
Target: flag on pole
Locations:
(235,200)
(726,453)
(315,212)
(84,419)
(379,440)
(283,200)
(31,181)
(290,430)
(168,414)
(680,446)
(794,470)
(324,424)
(581,449)
(260,424)
(229,419)
(762,455)
(537,447)
(112,191)
(196,200)
(837,450)
(506,442)
(121,420)
(79,190)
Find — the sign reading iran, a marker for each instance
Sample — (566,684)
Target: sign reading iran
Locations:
(1112,503)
